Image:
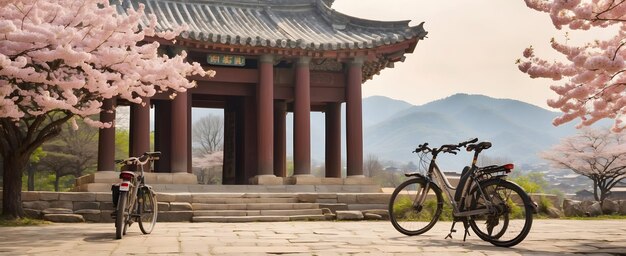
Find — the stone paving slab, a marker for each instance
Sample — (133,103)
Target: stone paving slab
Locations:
(548,237)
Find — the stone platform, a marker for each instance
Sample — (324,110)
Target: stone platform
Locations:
(187,182)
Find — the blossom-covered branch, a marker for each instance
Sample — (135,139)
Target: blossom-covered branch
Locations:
(593,81)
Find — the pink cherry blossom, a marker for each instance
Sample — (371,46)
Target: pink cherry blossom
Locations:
(59,59)
(593,79)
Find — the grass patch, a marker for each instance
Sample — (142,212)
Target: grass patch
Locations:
(22,222)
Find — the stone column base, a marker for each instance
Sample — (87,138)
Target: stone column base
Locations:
(266,180)
(358,180)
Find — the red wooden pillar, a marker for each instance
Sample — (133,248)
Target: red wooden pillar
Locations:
(333,140)
(280,138)
(302,119)
(354,119)
(163,134)
(139,128)
(265,114)
(106,137)
(180,133)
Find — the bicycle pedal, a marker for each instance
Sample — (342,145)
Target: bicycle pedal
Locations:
(449,236)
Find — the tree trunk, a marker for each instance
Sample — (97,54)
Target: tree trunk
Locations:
(56,182)
(12,191)
(31,177)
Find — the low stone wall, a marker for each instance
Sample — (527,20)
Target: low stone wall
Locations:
(588,208)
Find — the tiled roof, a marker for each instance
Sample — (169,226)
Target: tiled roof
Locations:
(303,24)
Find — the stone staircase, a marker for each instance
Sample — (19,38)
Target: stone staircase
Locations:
(240,207)
(250,207)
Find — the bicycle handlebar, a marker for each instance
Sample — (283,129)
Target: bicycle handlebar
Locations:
(141,160)
(448,148)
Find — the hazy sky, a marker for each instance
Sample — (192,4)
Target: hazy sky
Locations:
(471,48)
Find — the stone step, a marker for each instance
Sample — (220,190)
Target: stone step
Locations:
(242,200)
(255,206)
(257,218)
(258,212)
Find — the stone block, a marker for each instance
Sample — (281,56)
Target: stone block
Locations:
(107,206)
(105,177)
(150,178)
(362,207)
(327,201)
(349,215)
(610,207)
(184,178)
(95,187)
(90,215)
(36,205)
(307,198)
(86,205)
(166,197)
(62,204)
(372,216)
(163,206)
(57,211)
(48,196)
(180,206)
(183,197)
(334,207)
(372,198)
(332,181)
(64,218)
(104,196)
(266,180)
(85,179)
(381,212)
(163,178)
(77,196)
(346,198)
(593,209)
(326,195)
(105,216)
(30,196)
(358,180)
(174,216)
(572,208)
(622,207)
(32,213)
(303,180)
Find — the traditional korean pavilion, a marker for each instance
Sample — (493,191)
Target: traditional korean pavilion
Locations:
(271,57)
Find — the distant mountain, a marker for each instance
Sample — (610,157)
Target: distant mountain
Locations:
(517,130)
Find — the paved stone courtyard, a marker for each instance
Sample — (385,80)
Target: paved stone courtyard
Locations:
(548,237)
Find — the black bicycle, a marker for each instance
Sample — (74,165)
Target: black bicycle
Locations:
(133,199)
(497,210)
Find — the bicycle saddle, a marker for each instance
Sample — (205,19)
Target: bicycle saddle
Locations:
(480,146)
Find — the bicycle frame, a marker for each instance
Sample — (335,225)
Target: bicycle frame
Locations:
(436,176)
(133,184)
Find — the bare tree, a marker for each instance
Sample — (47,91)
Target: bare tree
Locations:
(71,153)
(597,154)
(208,132)
(372,166)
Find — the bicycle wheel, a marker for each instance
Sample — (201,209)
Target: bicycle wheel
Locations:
(120,216)
(147,209)
(511,217)
(407,215)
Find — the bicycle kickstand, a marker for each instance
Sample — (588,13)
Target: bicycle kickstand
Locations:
(452,230)
(466,225)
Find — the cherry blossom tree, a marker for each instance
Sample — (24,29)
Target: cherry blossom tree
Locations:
(597,154)
(209,167)
(59,59)
(593,81)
